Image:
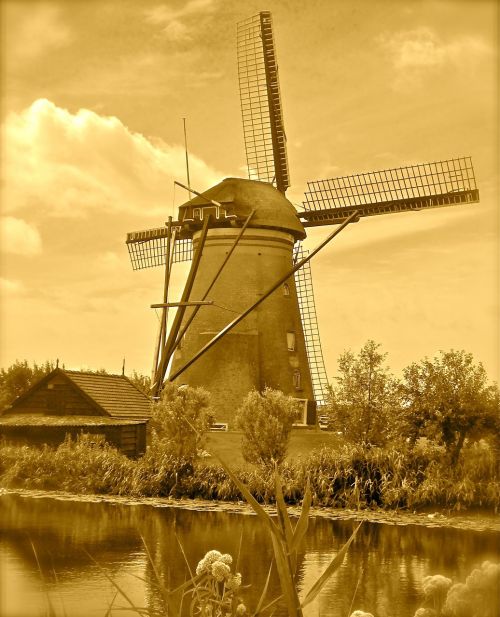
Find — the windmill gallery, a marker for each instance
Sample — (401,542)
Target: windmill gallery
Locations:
(246,318)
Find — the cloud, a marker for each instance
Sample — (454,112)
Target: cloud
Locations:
(36,32)
(71,165)
(413,52)
(11,288)
(173,27)
(110,261)
(19,237)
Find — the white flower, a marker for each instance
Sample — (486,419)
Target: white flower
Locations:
(226,558)
(212,556)
(486,578)
(436,584)
(220,571)
(241,609)
(234,582)
(207,561)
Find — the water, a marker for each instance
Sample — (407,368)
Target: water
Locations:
(384,566)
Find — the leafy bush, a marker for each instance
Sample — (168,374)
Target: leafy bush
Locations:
(180,420)
(85,465)
(18,377)
(266,421)
(449,400)
(363,400)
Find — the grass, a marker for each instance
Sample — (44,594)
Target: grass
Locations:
(302,443)
(344,476)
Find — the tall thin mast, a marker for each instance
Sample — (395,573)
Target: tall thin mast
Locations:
(187,157)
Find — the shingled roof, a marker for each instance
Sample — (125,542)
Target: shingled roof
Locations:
(112,395)
(115,394)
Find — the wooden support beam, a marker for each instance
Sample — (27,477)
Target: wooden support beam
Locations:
(168,272)
(177,304)
(169,345)
(160,342)
(273,288)
(191,190)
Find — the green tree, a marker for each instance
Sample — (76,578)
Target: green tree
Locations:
(142,382)
(448,399)
(266,420)
(363,401)
(180,419)
(18,378)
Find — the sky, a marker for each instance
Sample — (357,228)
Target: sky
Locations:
(93,96)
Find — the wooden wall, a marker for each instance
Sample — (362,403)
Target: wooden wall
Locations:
(56,397)
(128,439)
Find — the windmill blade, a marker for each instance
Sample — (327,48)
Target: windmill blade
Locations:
(261,110)
(148,248)
(307,307)
(417,187)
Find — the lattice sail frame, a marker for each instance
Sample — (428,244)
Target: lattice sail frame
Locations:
(261,108)
(307,308)
(415,187)
(148,248)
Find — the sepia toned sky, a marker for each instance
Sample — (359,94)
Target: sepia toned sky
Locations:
(93,96)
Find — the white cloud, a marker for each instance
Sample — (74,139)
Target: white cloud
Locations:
(176,31)
(19,237)
(38,30)
(109,261)
(172,20)
(11,288)
(71,165)
(163,14)
(415,48)
(421,49)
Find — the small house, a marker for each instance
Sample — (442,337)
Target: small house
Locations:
(73,402)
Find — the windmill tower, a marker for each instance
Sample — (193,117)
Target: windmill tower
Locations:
(246,319)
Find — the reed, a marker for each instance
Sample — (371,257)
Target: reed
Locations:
(347,477)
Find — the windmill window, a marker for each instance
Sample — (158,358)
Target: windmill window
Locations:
(197,213)
(296,380)
(286,290)
(290,341)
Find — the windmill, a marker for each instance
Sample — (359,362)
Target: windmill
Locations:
(246,318)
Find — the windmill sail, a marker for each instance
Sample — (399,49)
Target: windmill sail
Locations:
(148,248)
(261,110)
(417,187)
(307,308)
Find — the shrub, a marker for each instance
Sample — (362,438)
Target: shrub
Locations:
(180,420)
(363,401)
(266,421)
(85,465)
(352,477)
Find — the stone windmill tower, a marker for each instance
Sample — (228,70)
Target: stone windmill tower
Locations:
(246,319)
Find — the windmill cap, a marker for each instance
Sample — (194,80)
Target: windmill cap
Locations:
(240,197)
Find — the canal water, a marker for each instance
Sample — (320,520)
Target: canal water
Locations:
(80,544)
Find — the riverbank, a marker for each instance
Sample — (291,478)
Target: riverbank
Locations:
(349,478)
(470,522)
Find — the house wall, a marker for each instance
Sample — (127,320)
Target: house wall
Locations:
(128,439)
(56,397)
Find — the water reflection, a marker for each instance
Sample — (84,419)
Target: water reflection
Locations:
(383,569)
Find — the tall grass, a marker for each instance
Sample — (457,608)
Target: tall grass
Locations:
(350,477)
